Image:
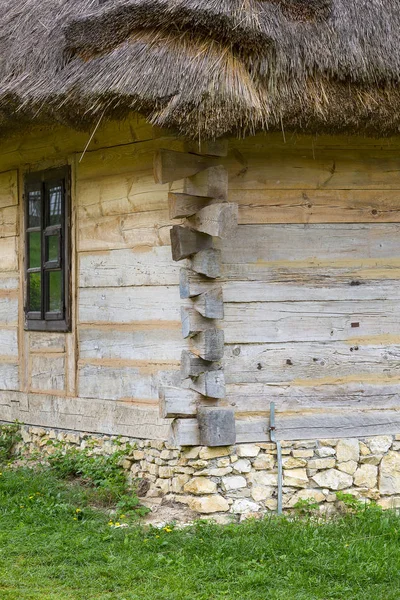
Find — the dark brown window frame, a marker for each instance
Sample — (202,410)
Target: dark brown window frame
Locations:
(45,320)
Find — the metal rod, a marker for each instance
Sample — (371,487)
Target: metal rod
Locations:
(272,435)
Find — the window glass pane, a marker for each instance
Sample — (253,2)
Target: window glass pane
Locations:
(55,291)
(55,205)
(53,243)
(35,249)
(35,292)
(34,208)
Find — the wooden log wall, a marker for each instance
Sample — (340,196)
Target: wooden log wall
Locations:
(311,285)
(207,216)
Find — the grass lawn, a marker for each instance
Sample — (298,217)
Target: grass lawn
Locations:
(49,550)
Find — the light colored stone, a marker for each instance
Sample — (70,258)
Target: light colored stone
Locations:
(389,503)
(207,453)
(347,449)
(397,437)
(333,479)
(138,455)
(215,472)
(396,446)
(198,464)
(234,458)
(167,454)
(209,504)
(178,482)
(223,462)
(234,482)
(261,492)
(164,485)
(243,506)
(325,451)
(243,465)
(165,472)
(293,463)
(126,464)
(269,446)
(379,444)
(264,462)
(303,453)
(295,477)
(366,476)
(247,450)
(271,504)
(263,478)
(199,486)
(321,463)
(328,442)
(371,459)
(389,477)
(153,469)
(307,495)
(349,467)
(191,452)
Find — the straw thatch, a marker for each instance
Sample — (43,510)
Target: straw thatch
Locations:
(203,67)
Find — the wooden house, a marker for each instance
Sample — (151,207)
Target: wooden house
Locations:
(200,222)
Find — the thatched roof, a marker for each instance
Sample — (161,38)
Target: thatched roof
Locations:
(203,67)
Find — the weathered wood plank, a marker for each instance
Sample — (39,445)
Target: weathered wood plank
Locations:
(8,221)
(210,304)
(207,262)
(47,342)
(134,384)
(208,344)
(158,343)
(192,284)
(9,342)
(210,384)
(9,309)
(186,205)
(47,372)
(9,254)
(178,402)
(193,322)
(313,245)
(317,206)
(192,365)
(8,189)
(309,321)
(218,220)
(185,432)
(216,426)
(185,241)
(9,375)
(122,268)
(129,304)
(310,361)
(170,165)
(212,182)
(209,147)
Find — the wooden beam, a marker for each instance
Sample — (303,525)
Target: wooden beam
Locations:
(212,182)
(209,344)
(210,384)
(218,220)
(170,165)
(209,148)
(207,262)
(186,205)
(192,284)
(210,304)
(193,322)
(216,426)
(185,241)
(186,432)
(192,365)
(178,402)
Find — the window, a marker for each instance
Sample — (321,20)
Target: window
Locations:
(47,225)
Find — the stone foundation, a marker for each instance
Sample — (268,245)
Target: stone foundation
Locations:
(242,480)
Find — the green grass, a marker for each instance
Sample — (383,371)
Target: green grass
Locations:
(47,553)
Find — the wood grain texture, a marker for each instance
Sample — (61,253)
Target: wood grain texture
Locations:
(9,342)
(47,372)
(8,254)
(8,189)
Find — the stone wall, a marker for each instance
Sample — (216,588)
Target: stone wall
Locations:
(242,480)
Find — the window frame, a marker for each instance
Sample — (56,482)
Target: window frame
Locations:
(41,181)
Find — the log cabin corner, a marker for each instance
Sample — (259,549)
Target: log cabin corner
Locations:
(200,241)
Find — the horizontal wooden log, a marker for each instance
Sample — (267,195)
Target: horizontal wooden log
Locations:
(9,375)
(210,384)
(207,262)
(185,241)
(218,220)
(170,165)
(210,304)
(193,322)
(208,344)
(208,148)
(212,182)
(192,284)
(192,365)
(186,205)
(178,402)
(186,432)
(216,426)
